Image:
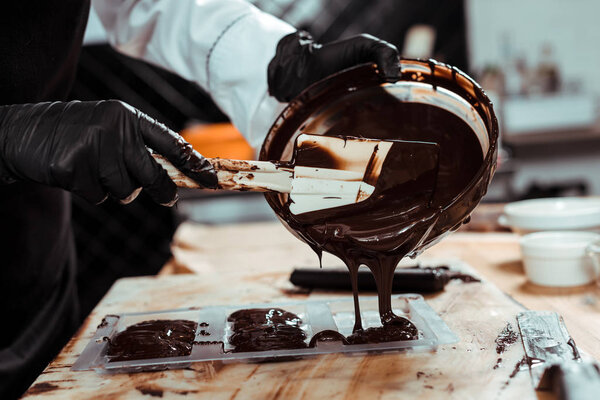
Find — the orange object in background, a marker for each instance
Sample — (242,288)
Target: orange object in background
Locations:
(218,140)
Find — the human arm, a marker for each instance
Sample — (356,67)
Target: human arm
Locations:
(224,46)
(94,149)
(227,47)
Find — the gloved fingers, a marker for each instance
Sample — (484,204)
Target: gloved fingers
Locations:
(117,180)
(132,196)
(358,50)
(179,152)
(386,57)
(150,175)
(77,173)
(94,193)
(288,72)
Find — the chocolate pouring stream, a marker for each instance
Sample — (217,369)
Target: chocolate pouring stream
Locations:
(407,212)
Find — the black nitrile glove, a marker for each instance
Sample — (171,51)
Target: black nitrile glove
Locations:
(94,149)
(299,61)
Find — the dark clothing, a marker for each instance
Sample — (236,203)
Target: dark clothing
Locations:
(40,43)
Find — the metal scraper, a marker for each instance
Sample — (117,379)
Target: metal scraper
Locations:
(325,171)
(554,361)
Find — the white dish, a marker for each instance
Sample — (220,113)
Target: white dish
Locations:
(561,258)
(554,214)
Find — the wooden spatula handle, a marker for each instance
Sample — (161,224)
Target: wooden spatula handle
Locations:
(256,176)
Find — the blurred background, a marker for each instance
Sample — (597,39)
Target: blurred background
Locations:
(536,59)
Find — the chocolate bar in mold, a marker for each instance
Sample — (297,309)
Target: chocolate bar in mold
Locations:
(211,341)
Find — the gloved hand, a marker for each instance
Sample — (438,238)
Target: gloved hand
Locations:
(95,149)
(299,61)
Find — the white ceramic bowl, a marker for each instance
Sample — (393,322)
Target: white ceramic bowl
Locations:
(560,258)
(555,214)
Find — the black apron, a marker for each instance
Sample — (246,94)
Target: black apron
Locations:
(39,44)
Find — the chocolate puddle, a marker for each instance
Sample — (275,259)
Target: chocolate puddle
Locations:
(260,329)
(152,339)
(399,329)
(407,212)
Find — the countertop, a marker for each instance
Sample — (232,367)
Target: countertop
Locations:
(249,263)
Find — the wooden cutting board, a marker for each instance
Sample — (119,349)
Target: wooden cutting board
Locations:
(476,312)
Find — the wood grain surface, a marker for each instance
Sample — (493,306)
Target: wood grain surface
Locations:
(251,263)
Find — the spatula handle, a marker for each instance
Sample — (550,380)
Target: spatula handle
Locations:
(256,176)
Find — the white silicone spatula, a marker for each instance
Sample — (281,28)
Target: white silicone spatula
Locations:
(325,171)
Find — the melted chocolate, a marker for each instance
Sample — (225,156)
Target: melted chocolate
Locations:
(396,330)
(403,216)
(327,336)
(260,329)
(152,339)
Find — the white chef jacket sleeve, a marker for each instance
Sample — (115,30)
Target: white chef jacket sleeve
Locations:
(223,45)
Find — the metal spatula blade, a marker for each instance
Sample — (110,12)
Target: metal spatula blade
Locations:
(553,358)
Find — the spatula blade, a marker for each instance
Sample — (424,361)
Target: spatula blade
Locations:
(310,194)
(350,168)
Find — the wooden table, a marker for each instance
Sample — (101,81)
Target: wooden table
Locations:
(251,263)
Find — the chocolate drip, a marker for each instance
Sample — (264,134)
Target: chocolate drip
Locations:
(353,268)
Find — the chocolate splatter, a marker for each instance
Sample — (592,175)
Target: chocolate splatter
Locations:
(104,321)
(506,338)
(102,324)
(151,391)
(498,363)
(41,387)
(518,367)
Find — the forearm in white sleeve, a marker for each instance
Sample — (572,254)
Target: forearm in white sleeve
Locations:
(223,45)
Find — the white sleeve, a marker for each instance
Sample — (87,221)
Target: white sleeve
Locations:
(223,45)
